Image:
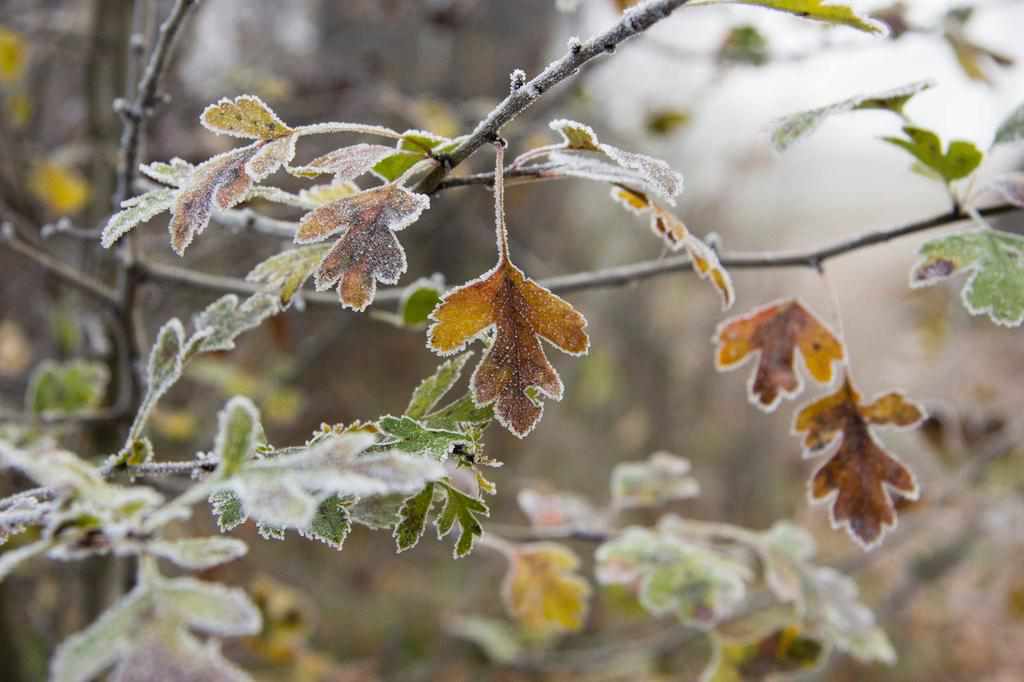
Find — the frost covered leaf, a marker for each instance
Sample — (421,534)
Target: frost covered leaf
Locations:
(198,553)
(289,270)
(246,116)
(321,195)
(224,319)
(543,590)
(208,607)
(558,510)
(66,388)
(1012,128)
(860,478)
(698,585)
(817,10)
(367,250)
(136,211)
(652,174)
(164,654)
(520,312)
(834,606)
(332,523)
(958,161)
(347,163)
(82,656)
(785,548)
(707,266)
(405,434)
(237,435)
(227,509)
(412,518)
(774,333)
(785,651)
(175,172)
(662,478)
(431,390)
(797,126)
(462,509)
(995,263)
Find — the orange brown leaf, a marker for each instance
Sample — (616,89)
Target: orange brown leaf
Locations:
(520,312)
(774,333)
(860,479)
(367,250)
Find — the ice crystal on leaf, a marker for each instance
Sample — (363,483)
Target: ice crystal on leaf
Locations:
(859,479)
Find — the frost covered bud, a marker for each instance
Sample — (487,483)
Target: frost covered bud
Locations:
(517,79)
(575,45)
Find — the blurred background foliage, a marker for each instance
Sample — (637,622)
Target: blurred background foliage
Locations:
(699,90)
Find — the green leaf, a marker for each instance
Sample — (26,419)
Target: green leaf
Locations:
(797,126)
(995,261)
(414,146)
(136,211)
(462,509)
(412,518)
(66,388)
(207,607)
(198,553)
(82,656)
(744,45)
(225,319)
(959,160)
(418,300)
(175,173)
(430,391)
(332,523)
(237,435)
(289,270)
(1012,128)
(817,10)
(457,415)
(408,435)
(227,509)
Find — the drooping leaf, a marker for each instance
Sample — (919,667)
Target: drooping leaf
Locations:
(431,390)
(784,651)
(662,478)
(816,10)
(66,388)
(543,590)
(797,126)
(246,116)
(136,211)
(958,161)
(198,553)
(347,163)
(1012,128)
(462,509)
(995,263)
(332,523)
(289,270)
(672,575)
(367,250)
(408,435)
(237,434)
(520,312)
(773,334)
(653,175)
(224,319)
(412,518)
(859,479)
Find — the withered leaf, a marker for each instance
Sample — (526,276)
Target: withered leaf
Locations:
(774,333)
(367,250)
(520,312)
(860,479)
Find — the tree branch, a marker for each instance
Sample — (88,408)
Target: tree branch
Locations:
(634,21)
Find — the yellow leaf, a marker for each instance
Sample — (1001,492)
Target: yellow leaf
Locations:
(13,55)
(62,189)
(19,109)
(543,591)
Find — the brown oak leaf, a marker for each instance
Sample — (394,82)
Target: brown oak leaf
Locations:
(520,312)
(860,479)
(774,333)
(367,250)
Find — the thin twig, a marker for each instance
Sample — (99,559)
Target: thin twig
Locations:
(633,22)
